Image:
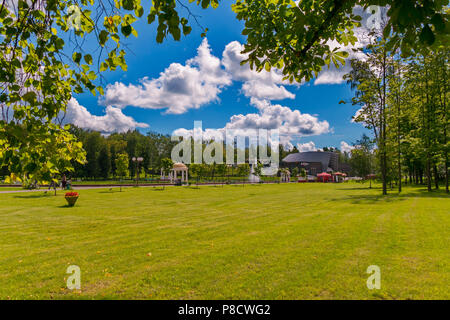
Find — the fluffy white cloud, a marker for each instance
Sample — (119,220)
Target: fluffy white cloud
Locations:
(359,114)
(266,90)
(113,121)
(307,147)
(291,124)
(178,88)
(198,82)
(260,85)
(345,147)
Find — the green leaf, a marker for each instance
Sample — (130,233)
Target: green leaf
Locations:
(103,66)
(186,30)
(427,35)
(438,22)
(29,97)
(139,11)
(103,36)
(100,90)
(115,37)
(88,59)
(76,56)
(126,30)
(92,75)
(150,18)
(128,4)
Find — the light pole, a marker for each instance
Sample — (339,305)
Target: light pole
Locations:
(137,161)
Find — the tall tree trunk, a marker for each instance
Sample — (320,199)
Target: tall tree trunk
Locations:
(436,177)
(428,168)
(428,173)
(416,175)
(445,122)
(383,128)
(446,172)
(399,154)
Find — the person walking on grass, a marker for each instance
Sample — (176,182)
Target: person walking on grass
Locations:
(63,182)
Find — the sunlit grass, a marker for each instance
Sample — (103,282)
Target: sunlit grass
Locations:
(293,241)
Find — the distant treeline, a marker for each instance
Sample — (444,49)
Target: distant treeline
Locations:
(102,152)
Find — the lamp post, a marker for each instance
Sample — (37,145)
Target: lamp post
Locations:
(137,161)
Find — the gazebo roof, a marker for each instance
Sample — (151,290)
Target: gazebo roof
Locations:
(179,166)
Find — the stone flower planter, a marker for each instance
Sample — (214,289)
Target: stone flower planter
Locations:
(71,198)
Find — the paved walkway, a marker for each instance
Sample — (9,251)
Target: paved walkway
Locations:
(74,188)
(109,187)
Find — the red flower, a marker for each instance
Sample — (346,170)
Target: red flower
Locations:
(72,194)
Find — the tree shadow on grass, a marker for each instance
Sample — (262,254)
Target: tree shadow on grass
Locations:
(360,188)
(158,189)
(371,199)
(423,193)
(33,196)
(394,197)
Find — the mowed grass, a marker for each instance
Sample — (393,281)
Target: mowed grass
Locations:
(290,241)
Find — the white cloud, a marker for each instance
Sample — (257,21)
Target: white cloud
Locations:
(307,147)
(198,83)
(260,85)
(178,89)
(113,121)
(360,114)
(291,124)
(345,147)
(263,90)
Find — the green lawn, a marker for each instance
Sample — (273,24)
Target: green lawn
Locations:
(292,241)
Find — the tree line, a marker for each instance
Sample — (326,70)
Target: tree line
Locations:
(103,151)
(111,157)
(40,69)
(403,100)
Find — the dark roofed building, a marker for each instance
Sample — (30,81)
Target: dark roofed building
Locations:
(313,162)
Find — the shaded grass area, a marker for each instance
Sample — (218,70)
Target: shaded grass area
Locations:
(290,241)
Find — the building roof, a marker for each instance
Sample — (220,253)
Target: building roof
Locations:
(317,157)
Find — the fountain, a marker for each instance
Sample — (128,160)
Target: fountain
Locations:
(252,178)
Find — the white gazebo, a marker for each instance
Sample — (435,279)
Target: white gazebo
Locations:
(285,175)
(179,167)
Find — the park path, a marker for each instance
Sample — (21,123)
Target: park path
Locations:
(109,187)
(75,188)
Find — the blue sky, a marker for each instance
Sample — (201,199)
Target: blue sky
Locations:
(210,89)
